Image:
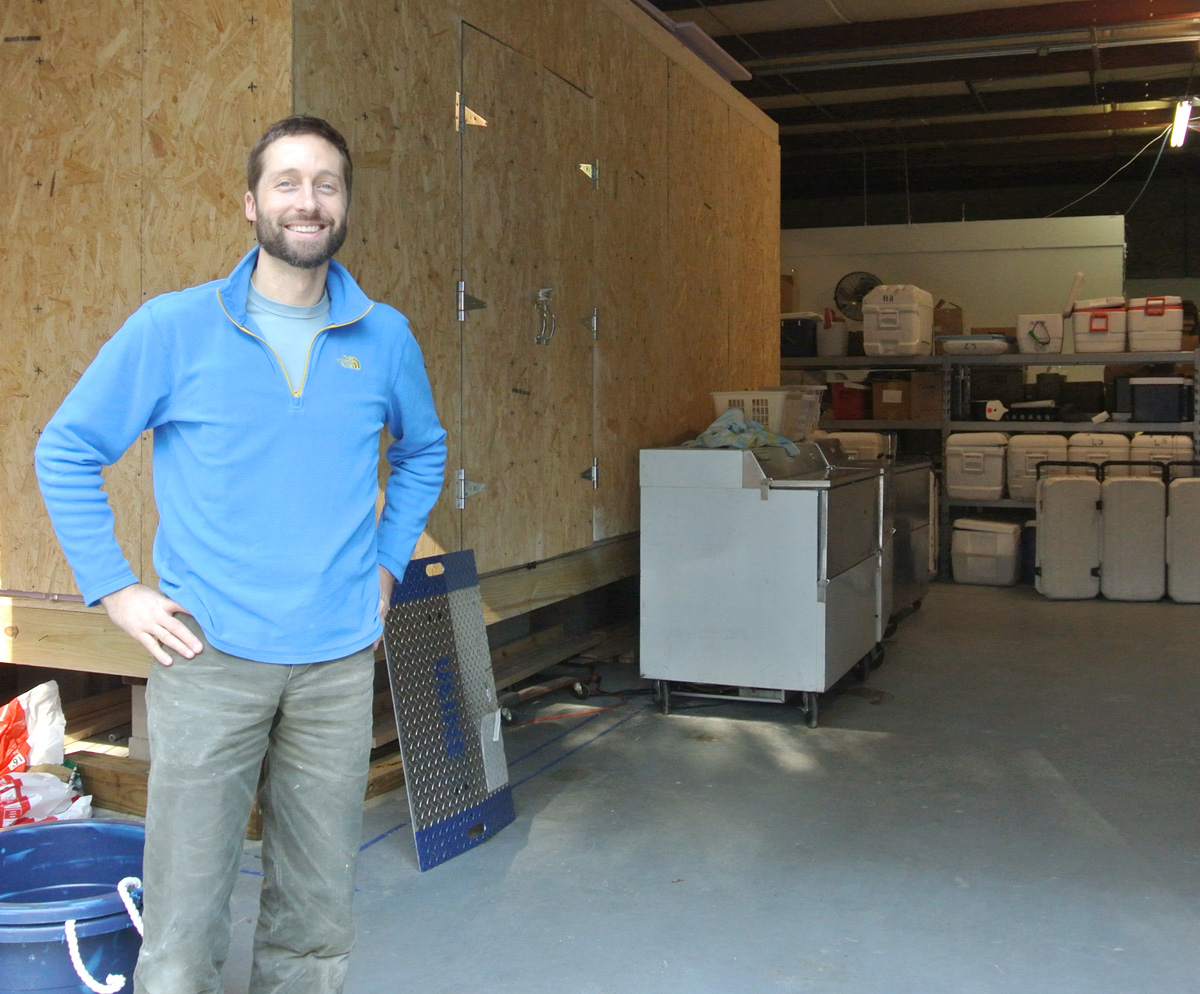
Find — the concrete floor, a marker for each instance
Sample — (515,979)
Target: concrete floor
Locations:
(1008,804)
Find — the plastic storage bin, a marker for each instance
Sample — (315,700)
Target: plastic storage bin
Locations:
(975,465)
(1022,456)
(851,401)
(788,411)
(985,552)
(1097,447)
(864,446)
(1039,332)
(1155,324)
(898,320)
(1161,448)
(1099,324)
(1160,398)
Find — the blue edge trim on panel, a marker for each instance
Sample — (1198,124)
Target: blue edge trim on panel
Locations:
(451,836)
(458,574)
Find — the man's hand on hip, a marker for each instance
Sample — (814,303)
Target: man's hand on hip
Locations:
(386,582)
(149,618)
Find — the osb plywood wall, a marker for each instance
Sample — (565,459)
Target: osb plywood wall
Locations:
(127,123)
(683,241)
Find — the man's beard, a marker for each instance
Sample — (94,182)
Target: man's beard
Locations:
(273,239)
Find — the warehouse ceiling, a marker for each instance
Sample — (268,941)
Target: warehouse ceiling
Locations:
(985,93)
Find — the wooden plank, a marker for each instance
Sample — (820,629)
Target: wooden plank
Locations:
(68,247)
(87,706)
(393,98)
(634,286)
(517,591)
(116,783)
(63,635)
(533,661)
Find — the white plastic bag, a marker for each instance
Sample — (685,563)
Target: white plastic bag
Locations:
(26,798)
(32,729)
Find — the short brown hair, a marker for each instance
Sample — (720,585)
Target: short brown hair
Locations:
(298,124)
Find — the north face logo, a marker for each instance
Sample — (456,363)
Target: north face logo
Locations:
(349,362)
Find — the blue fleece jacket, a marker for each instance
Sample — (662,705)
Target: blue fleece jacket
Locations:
(266,490)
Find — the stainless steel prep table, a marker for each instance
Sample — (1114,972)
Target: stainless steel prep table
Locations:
(759,572)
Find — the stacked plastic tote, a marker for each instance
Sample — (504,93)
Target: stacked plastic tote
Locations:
(1130,538)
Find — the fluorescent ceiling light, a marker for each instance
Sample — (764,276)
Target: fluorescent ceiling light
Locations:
(1183,113)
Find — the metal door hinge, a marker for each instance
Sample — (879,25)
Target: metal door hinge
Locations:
(464,488)
(592,171)
(464,116)
(592,322)
(465,302)
(593,474)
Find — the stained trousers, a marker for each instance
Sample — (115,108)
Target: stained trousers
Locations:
(212,720)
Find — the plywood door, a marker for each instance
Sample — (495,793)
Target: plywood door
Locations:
(527,218)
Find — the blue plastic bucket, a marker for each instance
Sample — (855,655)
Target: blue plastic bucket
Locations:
(62,871)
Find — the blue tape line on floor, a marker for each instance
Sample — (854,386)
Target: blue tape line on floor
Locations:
(582,745)
(539,772)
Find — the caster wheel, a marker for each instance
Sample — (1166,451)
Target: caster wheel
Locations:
(890,630)
(580,690)
(662,694)
(506,716)
(862,669)
(809,707)
(917,605)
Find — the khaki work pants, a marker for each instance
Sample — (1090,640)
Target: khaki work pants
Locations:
(212,719)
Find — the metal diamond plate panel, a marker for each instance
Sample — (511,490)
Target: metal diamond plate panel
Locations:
(446,711)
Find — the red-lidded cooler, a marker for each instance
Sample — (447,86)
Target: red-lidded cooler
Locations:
(1099,324)
(1155,324)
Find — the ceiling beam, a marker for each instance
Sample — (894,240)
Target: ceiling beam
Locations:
(992,102)
(1001,67)
(956,27)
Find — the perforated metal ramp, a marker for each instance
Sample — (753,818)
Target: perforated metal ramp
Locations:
(440,670)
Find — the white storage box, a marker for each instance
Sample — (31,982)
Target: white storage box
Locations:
(1133,540)
(1161,448)
(1039,332)
(898,320)
(1024,453)
(975,465)
(985,552)
(1099,324)
(864,446)
(1155,324)
(1068,549)
(1097,447)
(788,411)
(1183,541)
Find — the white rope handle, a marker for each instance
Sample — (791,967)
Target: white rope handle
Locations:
(114,981)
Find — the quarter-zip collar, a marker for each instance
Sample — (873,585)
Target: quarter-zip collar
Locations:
(347,303)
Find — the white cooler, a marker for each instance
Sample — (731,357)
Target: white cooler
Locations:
(1097,447)
(1039,332)
(1023,455)
(1155,324)
(898,320)
(1161,448)
(985,552)
(975,465)
(1099,324)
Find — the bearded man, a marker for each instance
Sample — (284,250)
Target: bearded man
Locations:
(266,392)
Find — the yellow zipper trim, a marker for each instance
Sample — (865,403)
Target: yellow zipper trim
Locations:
(308,355)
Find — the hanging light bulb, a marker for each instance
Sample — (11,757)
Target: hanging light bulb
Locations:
(1183,114)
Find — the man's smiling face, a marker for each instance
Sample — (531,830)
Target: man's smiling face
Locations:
(299,209)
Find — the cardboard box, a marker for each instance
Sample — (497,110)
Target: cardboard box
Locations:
(925,396)
(891,400)
(851,401)
(947,319)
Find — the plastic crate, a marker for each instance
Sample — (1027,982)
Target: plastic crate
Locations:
(788,411)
